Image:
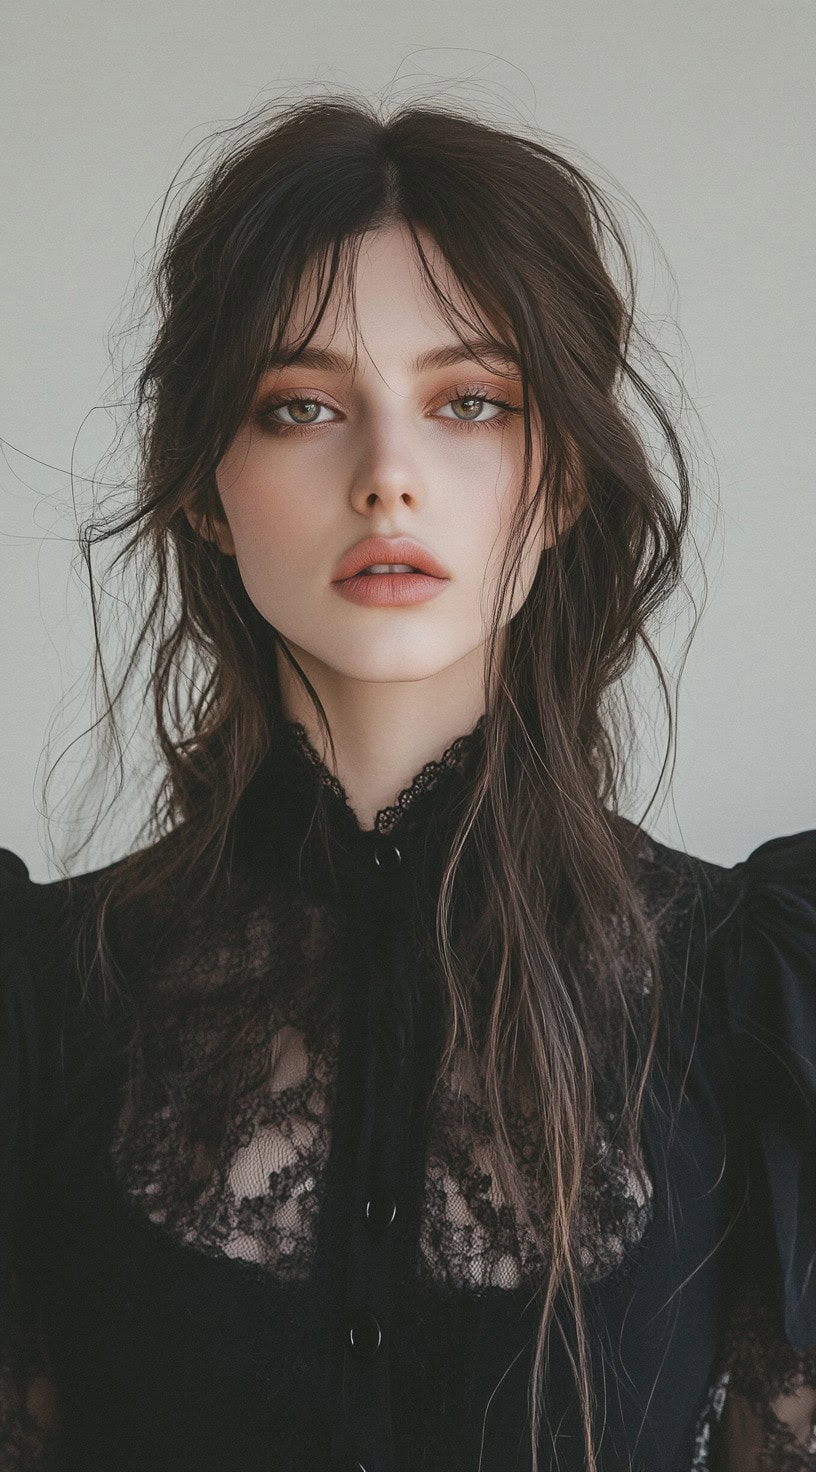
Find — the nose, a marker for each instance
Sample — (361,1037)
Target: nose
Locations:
(388,473)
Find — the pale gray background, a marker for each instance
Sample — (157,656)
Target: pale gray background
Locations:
(702,111)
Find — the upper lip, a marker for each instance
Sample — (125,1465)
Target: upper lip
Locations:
(388,549)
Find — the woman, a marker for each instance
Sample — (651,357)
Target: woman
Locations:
(400,1105)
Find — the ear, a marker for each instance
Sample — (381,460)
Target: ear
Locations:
(215,529)
(576,490)
(573,502)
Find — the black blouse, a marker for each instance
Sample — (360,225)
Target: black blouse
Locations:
(338,1284)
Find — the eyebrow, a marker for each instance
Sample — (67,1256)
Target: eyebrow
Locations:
(499,354)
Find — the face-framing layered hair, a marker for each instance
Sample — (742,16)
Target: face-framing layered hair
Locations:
(563,927)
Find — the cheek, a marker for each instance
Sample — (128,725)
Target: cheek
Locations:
(492,501)
(263,510)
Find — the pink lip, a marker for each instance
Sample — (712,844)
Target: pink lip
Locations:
(390,589)
(373,550)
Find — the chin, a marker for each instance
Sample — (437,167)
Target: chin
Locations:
(390,667)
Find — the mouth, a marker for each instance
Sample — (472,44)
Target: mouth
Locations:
(390,557)
(390,585)
(387,568)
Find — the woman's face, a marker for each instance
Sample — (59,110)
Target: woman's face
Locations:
(397,446)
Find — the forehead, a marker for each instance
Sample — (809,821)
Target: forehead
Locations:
(381,296)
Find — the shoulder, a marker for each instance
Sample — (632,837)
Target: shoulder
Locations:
(49,931)
(769,893)
(48,935)
(759,953)
(32,911)
(685,897)
(16,888)
(63,900)
(55,1017)
(40,926)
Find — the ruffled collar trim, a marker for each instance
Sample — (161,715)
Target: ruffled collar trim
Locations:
(295,821)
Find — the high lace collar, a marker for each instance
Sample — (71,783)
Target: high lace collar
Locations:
(295,816)
(432,775)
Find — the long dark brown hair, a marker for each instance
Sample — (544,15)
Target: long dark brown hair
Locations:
(531,240)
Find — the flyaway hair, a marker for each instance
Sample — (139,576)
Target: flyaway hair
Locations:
(562,927)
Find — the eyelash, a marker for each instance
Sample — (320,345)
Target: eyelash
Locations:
(264,413)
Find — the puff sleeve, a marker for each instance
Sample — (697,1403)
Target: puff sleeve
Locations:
(29,1396)
(18,1060)
(765,955)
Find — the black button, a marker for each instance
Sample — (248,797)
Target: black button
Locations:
(387,856)
(363,1334)
(380,1212)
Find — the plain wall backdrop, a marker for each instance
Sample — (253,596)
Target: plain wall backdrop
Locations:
(702,111)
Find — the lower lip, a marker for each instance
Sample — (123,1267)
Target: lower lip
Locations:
(390,589)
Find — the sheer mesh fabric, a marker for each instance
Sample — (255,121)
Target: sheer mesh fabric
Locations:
(760,1413)
(769,1424)
(256,1195)
(770,1428)
(471,1238)
(259,1197)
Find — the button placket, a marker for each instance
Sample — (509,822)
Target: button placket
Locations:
(387,856)
(380,1212)
(363,1334)
(366,1413)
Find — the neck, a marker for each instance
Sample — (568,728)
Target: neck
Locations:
(384,732)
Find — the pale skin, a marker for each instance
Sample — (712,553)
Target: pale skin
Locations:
(386,456)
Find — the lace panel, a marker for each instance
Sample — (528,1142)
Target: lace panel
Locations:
(760,1412)
(769,1423)
(708,1421)
(254,1193)
(471,1237)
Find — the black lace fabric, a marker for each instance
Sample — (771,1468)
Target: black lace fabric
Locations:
(769,1422)
(252,1190)
(258,1196)
(760,1413)
(472,1239)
